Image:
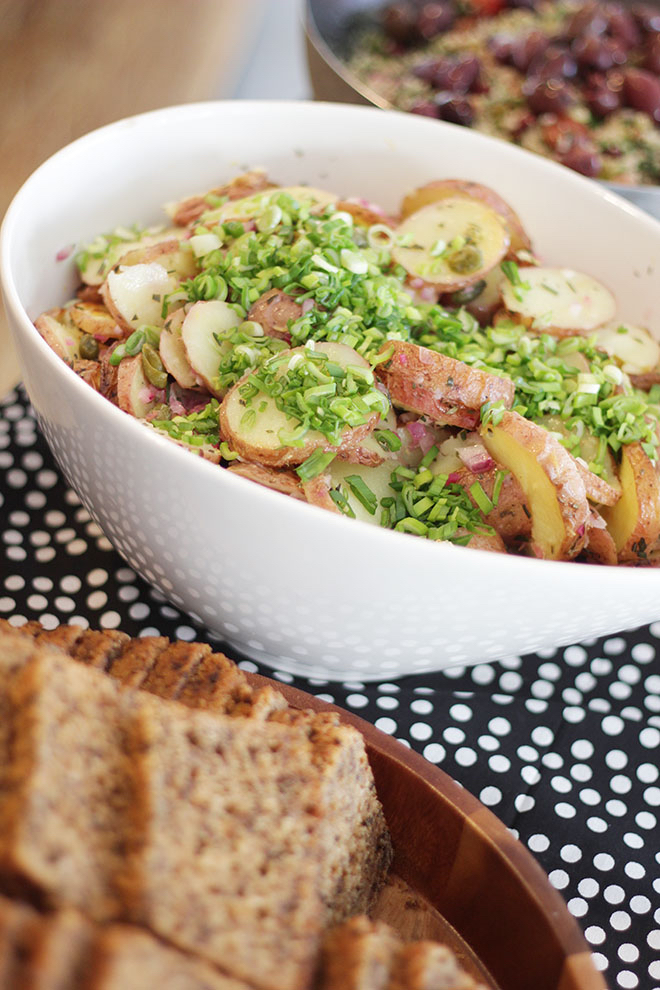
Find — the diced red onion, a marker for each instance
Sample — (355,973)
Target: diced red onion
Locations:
(421,435)
(476,458)
(64,252)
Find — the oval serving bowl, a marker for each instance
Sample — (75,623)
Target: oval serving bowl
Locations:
(283,581)
(468,881)
(329,26)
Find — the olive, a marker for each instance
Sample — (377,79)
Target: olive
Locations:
(400,23)
(547,95)
(554,63)
(652,56)
(601,98)
(426,70)
(434,18)
(593,52)
(88,347)
(527,48)
(622,26)
(501,47)
(647,16)
(465,260)
(456,75)
(457,110)
(582,159)
(641,91)
(522,4)
(153,367)
(589,20)
(425,108)
(467,295)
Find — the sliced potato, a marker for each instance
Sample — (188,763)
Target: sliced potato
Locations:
(433,192)
(377,480)
(451,243)
(634,347)
(480,541)
(60,333)
(173,353)
(96,268)
(135,394)
(257,438)
(444,389)
(553,488)
(134,295)
(284,481)
(191,209)
(250,207)
(558,301)
(201,349)
(634,522)
(598,489)
(176,257)
(89,371)
(273,311)
(95,319)
(599,547)
(364,214)
(511,517)
(317,492)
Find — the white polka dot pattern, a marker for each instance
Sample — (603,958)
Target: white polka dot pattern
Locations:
(564,747)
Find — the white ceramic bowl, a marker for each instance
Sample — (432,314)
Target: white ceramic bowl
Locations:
(288,583)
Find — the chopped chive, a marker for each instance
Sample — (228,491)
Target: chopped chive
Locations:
(480,497)
(410,525)
(341,502)
(362,493)
(388,439)
(315,464)
(497,487)
(429,457)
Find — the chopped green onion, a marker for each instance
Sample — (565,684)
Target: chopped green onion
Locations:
(362,492)
(315,464)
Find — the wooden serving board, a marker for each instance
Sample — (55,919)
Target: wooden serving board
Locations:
(460,876)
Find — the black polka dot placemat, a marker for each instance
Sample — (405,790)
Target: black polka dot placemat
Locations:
(564,747)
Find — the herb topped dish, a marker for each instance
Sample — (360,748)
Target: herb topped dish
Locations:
(425,373)
(572,80)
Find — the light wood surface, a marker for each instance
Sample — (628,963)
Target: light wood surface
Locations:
(68,66)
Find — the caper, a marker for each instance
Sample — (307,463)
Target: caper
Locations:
(467,259)
(153,367)
(88,347)
(160,412)
(467,295)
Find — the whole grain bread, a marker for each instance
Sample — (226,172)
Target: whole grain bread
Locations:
(67,788)
(60,958)
(358,955)
(429,966)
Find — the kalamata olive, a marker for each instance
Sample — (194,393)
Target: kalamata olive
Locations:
(652,56)
(562,133)
(425,108)
(434,18)
(400,22)
(589,19)
(527,48)
(501,47)
(622,26)
(641,91)
(600,98)
(582,160)
(456,74)
(547,96)
(522,4)
(458,110)
(593,52)
(554,63)
(426,70)
(647,16)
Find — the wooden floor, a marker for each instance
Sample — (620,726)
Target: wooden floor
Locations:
(67,66)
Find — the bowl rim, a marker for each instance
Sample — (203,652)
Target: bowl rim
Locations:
(372,536)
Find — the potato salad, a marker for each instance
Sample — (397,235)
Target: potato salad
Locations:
(423,372)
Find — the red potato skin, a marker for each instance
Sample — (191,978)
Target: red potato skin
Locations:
(286,482)
(191,209)
(510,518)
(273,311)
(316,491)
(449,392)
(598,490)
(433,192)
(492,542)
(599,546)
